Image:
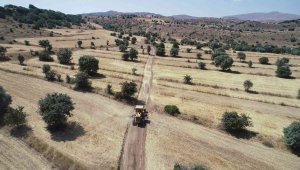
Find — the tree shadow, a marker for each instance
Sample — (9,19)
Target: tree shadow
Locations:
(252,92)
(295,151)
(70,132)
(22,131)
(231,72)
(243,134)
(97,76)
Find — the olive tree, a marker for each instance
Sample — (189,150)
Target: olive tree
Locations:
(133,40)
(88,64)
(292,135)
(223,61)
(241,56)
(174,52)
(55,108)
(64,55)
(247,85)
(15,117)
(82,81)
(5,101)
(187,79)
(264,60)
(133,54)
(232,121)
(21,59)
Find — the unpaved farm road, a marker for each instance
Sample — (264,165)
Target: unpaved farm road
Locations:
(133,157)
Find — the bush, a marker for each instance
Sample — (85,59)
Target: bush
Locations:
(202,66)
(122,48)
(250,64)
(82,81)
(45,56)
(50,75)
(3,51)
(282,61)
(241,56)
(223,61)
(79,43)
(128,89)
(15,117)
(27,42)
(247,85)
(264,60)
(283,71)
(172,110)
(292,135)
(187,79)
(5,101)
(21,59)
(88,64)
(174,52)
(133,54)
(64,55)
(108,89)
(199,56)
(55,109)
(188,50)
(133,40)
(68,79)
(46,68)
(160,49)
(231,121)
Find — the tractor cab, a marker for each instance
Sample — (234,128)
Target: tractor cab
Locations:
(140,116)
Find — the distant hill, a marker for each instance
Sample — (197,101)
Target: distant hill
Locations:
(183,17)
(271,16)
(116,13)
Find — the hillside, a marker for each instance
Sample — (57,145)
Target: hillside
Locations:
(116,13)
(271,16)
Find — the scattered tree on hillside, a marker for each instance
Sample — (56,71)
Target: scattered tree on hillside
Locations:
(93,45)
(21,59)
(202,66)
(283,71)
(292,135)
(187,79)
(125,56)
(231,121)
(27,42)
(241,56)
(5,99)
(199,56)
(82,81)
(109,89)
(148,49)
(250,64)
(15,117)
(172,110)
(46,68)
(133,54)
(264,60)
(55,108)
(188,50)
(2,51)
(282,61)
(133,40)
(122,47)
(79,43)
(46,45)
(174,52)
(160,49)
(64,55)
(248,85)
(45,56)
(223,61)
(128,89)
(88,64)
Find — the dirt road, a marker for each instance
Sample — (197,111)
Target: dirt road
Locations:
(134,148)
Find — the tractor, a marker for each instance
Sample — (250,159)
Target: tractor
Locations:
(141,115)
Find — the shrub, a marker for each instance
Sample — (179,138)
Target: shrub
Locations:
(202,66)
(264,60)
(79,43)
(133,54)
(68,79)
(55,108)
(282,61)
(250,64)
(5,101)
(134,71)
(128,89)
(45,56)
(3,51)
(122,48)
(247,85)
(15,117)
(27,42)
(292,135)
(174,52)
(188,50)
(199,56)
(88,64)
(46,68)
(160,49)
(108,89)
(133,40)
(50,75)
(64,55)
(172,110)
(21,59)
(148,49)
(223,61)
(187,79)
(125,56)
(241,56)
(231,121)
(82,81)
(283,71)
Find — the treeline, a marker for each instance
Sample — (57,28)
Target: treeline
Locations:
(39,17)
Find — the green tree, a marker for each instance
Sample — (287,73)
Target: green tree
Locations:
(264,60)
(292,135)
(223,61)
(15,117)
(133,40)
(174,52)
(45,56)
(79,43)
(122,48)
(188,50)
(5,101)
(187,79)
(64,55)
(88,64)
(282,62)
(283,71)
(2,51)
(231,121)
(202,66)
(133,54)
(172,110)
(55,108)
(45,44)
(241,56)
(128,89)
(50,75)
(82,81)
(160,49)
(250,64)
(46,68)
(247,85)
(21,59)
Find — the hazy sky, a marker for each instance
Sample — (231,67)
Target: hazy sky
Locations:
(202,8)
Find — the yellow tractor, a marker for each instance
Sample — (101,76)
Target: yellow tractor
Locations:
(140,117)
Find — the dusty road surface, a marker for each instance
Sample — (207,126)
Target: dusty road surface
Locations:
(134,147)
(14,154)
